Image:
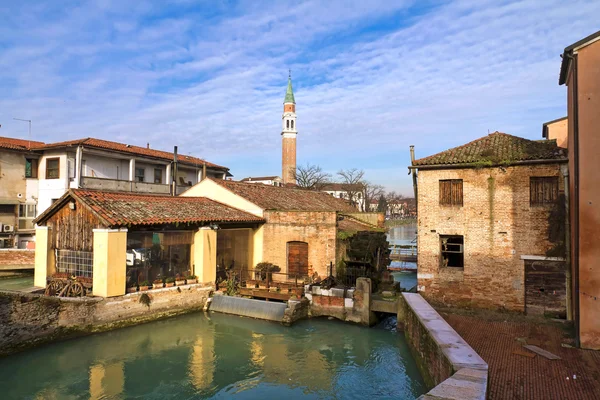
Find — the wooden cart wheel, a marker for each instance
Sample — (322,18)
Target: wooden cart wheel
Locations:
(76,290)
(54,287)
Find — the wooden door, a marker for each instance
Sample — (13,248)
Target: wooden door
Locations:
(297,258)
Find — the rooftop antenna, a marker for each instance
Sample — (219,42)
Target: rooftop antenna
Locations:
(26,120)
(290,73)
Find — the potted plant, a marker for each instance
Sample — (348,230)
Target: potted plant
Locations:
(264,270)
(179,280)
(158,283)
(144,286)
(132,288)
(170,282)
(192,279)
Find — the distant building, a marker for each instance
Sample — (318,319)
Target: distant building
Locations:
(580,72)
(352,193)
(484,213)
(34,174)
(265,180)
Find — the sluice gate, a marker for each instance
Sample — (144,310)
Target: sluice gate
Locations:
(268,310)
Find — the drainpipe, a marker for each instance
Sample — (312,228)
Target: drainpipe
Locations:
(174,173)
(575,194)
(204,171)
(565,171)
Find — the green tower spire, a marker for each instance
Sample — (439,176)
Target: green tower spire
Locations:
(289,93)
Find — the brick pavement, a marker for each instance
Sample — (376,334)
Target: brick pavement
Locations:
(495,336)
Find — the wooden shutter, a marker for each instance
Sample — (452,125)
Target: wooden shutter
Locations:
(298,258)
(451,192)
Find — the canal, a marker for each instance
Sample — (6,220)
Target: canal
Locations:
(217,356)
(404,235)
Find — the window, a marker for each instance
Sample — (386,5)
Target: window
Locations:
(157,175)
(31,168)
(543,190)
(451,192)
(452,251)
(27,213)
(287,124)
(139,174)
(292,124)
(53,168)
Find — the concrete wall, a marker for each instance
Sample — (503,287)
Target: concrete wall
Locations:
(498,225)
(318,229)
(588,102)
(30,319)
(445,360)
(124,186)
(12,176)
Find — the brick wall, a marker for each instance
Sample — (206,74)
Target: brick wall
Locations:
(30,319)
(318,229)
(498,225)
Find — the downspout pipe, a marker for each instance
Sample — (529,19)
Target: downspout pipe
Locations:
(569,294)
(174,173)
(413,171)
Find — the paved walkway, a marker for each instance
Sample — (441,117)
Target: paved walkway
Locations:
(496,336)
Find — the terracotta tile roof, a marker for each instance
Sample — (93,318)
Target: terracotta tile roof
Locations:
(130,149)
(343,187)
(19,144)
(123,209)
(285,198)
(17,257)
(496,149)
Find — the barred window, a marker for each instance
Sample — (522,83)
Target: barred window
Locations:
(77,263)
(543,190)
(451,192)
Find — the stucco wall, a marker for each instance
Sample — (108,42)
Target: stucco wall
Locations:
(588,79)
(318,229)
(559,130)
(498,225)
(214,191)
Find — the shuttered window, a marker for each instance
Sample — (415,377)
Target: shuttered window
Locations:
(543,190)
(451,192)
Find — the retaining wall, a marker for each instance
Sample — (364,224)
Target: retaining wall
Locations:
(28,319)
(445,360)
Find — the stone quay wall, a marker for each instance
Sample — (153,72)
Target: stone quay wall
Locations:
(445,360)
(353,305)
(28,319)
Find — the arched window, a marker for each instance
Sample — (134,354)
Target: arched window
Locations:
(292,124)
(287,124)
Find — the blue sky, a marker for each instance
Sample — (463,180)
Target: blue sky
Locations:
(370,77)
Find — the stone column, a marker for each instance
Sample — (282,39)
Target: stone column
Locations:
(110,246)
(257,245)
(44,256)
(205,255)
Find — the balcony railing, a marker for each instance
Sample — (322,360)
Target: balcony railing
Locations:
(119,185)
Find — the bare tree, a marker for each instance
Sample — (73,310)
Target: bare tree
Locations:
(311,177)
(352,179)
(371,191)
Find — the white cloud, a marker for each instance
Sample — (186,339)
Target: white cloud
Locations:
(212,81)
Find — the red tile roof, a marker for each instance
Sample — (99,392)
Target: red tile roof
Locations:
(286,199)
(19,144)
(351,225)
(496,149)
(130,149)
(117,209)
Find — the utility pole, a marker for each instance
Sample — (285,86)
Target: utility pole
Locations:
(26,120)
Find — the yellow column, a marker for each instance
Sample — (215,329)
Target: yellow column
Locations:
(44,256)
(110,246)
(257,246)
(205,255)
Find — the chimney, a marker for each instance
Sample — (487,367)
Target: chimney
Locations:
(203,170)
(174,173)
(147,145)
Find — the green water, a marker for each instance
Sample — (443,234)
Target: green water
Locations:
(219,356)
(16,283)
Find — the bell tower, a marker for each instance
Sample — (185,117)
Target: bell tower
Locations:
(288,134)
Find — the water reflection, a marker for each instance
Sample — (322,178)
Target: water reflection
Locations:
(218,356)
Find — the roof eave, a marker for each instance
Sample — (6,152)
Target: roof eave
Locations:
(479,165)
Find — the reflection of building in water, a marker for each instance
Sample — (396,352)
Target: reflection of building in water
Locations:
(106,381)
(202,362)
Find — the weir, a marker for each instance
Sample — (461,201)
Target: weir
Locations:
(260,309)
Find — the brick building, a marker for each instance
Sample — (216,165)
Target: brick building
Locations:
(483,218)
(300,230)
